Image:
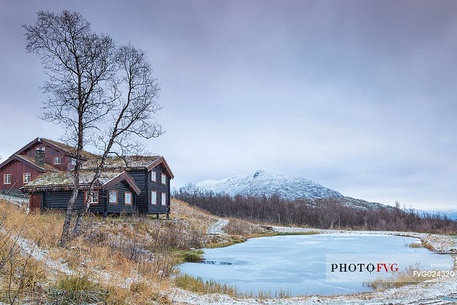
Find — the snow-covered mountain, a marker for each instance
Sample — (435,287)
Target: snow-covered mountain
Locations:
(268,184)
(451,214)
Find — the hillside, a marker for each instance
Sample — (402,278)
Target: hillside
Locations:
(116,260)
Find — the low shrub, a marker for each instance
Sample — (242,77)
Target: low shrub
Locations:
(244,228)
(76,289)
(192,256)
(415,245)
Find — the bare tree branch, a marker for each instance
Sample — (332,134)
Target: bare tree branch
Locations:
(103,95)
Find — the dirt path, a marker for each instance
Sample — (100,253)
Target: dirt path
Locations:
(217,228)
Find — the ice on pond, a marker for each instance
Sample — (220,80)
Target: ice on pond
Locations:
(321,264)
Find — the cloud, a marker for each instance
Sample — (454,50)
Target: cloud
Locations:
(356,95)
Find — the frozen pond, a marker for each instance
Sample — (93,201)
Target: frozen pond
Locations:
(321,264)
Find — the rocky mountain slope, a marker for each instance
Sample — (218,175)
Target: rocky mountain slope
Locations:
(264,183)
(267,184)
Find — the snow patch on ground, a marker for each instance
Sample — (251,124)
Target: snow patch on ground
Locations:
(29,248)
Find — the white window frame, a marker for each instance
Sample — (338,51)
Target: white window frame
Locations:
(164,179)
(57,160)
(153,176)
(128,195)
(164,199)
(26,177)
(110,201)
(153,197)
(7,179)
(93,198)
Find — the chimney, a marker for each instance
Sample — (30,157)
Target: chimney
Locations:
(39,156)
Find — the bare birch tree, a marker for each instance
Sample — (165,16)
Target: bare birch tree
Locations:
(103,95)
(131,115)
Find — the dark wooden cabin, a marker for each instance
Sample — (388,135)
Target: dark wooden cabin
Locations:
(152,175)
(130,184)
(115,193)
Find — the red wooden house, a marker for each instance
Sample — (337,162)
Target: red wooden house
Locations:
(37,157)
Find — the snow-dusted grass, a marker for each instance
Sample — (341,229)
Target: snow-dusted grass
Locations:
(198,285)
(128,259)
(20,272)
(402,278)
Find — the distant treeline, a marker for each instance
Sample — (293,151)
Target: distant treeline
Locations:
(330,213)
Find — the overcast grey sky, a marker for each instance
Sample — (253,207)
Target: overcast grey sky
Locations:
(359,96)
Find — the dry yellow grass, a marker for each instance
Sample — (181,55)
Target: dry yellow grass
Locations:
(182,210)
(20,273)
(43,228)
(129,258)
(243,228)
(406,277)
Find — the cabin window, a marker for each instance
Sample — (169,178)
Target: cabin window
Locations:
(164,199)
(92,198)
(58,160)
(164,179)
(153,197)
(112,197)
(128,198)
(7,179)
(26,177)
(153,176)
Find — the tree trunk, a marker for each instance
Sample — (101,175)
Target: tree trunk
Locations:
(78,222)
(83,211)
(65,237)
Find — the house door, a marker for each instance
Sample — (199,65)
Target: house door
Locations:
(35,201)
